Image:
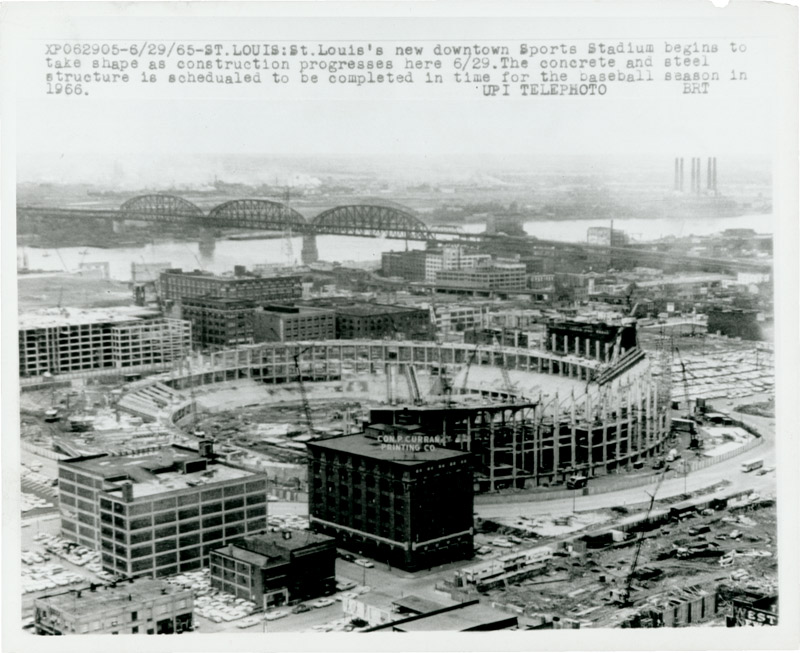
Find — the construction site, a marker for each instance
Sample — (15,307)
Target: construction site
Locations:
(668,563)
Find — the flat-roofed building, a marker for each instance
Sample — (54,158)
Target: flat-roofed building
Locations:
(275,322)
(161,512)
(74,340)
(176,285)
(360,320)
(473,617)
(393,494)
(219,322)
(498,275)
(276,568)
(142,606)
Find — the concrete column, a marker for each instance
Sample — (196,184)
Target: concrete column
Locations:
(556,438)
(619,426)
(597,349)
(553,342)
(573,444)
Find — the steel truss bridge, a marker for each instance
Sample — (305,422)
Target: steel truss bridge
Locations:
(371,219)
(347,220)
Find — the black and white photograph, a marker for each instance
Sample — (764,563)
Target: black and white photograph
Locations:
(326,322)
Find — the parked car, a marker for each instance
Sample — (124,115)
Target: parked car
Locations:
(323,603)
(363,562)
(300,607)
(276,614)
(349,557)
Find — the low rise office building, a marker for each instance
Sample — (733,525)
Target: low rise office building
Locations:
(161,512)
(142,606)
(276,568)
(219,322)
(282,323)
(175,285)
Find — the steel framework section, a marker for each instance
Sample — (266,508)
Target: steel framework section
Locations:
(257,214)
(170,208)
(371,220)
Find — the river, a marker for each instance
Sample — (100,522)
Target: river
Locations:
(227,253)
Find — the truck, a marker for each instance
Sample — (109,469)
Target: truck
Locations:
(577,481)
(672,455)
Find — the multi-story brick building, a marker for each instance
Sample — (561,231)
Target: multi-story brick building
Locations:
(176,285)
(219,322)
(423,265)
(276,568)
(74,340)
(408,265)
(394,495)
(161,512)
(292,323)
(141,606)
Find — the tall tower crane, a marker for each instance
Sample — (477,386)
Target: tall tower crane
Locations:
(301,386)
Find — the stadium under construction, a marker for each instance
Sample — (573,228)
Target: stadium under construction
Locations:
(531,417)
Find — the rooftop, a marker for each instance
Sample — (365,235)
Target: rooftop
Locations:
(368,308)
(285,309)
(55,317)
(361,444)
(470,617)
(105,598)
(159,471)
(269,548)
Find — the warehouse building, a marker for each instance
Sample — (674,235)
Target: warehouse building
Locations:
(175,285)
(161,512)
(394,495)
(367,320)
(219,322)
(74,340)
(140,606)
(276,568)
(282,323)
(408,265)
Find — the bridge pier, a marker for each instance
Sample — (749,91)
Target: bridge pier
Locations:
(207,243)
(310,254)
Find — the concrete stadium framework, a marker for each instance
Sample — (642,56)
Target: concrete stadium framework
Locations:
(519,441)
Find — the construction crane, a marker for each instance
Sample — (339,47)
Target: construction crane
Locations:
(303,395)
(413,384)
(466,371)
(623,596)
(695,441)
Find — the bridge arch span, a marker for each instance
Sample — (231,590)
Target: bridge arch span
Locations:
(257,214)
(371,220)
(161,205)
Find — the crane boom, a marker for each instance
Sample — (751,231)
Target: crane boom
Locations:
(303,395)
(625,598)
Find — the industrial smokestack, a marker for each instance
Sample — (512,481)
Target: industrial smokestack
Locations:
(681,176)
(694,175)
(715,175)
(699,166)
(677,183)
(709,174)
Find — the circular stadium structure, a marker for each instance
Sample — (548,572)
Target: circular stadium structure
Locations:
(530,417)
